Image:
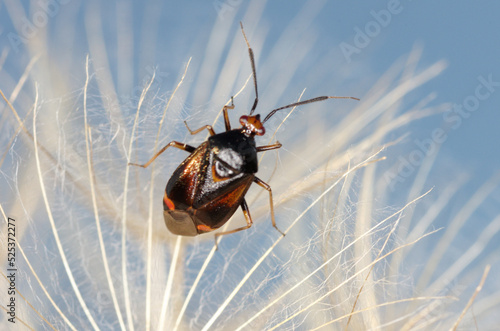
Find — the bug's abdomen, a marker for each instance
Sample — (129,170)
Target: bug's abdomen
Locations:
(194,218)
(214,213)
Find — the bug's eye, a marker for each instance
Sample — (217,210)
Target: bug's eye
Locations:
(243,120)
(222,171)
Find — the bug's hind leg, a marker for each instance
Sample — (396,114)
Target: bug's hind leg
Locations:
(248,218)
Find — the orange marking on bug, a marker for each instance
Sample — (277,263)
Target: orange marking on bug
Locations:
(252,125)
(216,177)
(204,228)
(170,204)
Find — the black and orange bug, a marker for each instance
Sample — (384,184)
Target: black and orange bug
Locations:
(210,184)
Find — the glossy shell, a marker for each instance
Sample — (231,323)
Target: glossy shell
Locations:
(210,184)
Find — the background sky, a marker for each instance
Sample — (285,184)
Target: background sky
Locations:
(465,35)
(339,48)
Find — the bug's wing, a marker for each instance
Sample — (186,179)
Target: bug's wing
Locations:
(217,210)
(183,185)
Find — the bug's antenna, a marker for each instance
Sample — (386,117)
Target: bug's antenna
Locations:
(252,61)
(303,103)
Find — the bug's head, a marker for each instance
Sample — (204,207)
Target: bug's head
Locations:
(251,125)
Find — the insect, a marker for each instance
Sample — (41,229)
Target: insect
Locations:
(210,184)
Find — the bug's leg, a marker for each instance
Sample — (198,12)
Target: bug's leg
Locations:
(176,144)
(252,62)
(208,127)
(269,147)
(248,218)
(226,117)
(268,188)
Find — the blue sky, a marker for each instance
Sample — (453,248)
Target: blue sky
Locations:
(161,36)
(164,35)
(339,48)
(464,34)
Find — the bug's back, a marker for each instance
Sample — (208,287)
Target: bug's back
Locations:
(207,188)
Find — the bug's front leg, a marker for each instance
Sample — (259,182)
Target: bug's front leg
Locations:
(265,186)
(176,144)
(226,116)
(248,218)
(208,127)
